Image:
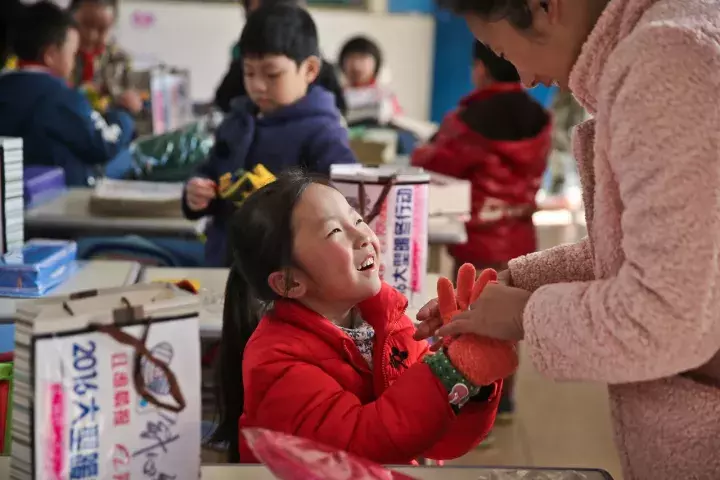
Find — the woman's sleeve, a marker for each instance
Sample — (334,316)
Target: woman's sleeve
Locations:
(405,421)
(659,315)
(564,263)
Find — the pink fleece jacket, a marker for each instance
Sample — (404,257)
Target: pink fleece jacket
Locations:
(637,303)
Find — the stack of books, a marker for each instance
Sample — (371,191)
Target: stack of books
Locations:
(78,411)
(11,194)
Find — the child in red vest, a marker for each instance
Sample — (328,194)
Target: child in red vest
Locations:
(332,359)
(499,139)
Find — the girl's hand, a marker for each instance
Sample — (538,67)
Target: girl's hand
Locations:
(200,192)
(497,313)
(429,315)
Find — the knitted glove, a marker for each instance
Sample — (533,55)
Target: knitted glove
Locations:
(481,360)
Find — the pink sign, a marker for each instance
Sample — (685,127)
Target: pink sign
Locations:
(140,19)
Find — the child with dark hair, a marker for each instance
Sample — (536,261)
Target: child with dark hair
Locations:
(315,345)
(368,102)
(233,86)
(499,138)
(56,122)
(102,67)
(285,121)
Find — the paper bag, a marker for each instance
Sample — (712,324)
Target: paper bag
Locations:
(394,202)
(114,386)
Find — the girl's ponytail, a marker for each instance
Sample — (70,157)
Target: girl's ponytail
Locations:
(240,318)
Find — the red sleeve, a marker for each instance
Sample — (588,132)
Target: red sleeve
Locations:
(467,429)
(407,420)
(474,423)
(451,153)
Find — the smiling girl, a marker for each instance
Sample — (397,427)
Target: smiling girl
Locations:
(333,358)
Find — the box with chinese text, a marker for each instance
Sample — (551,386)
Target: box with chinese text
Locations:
(107,387)
(394,201)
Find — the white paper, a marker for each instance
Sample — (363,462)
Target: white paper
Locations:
(137,190)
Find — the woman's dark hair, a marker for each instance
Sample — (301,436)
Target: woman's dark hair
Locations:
(260,242)
(517,12)
(280,29)
(497,67)
(361,45)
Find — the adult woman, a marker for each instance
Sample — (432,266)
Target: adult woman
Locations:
(635,304)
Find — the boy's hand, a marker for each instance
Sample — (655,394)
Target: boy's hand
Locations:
(200,192)
(130,100)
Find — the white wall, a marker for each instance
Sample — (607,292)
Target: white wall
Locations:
(198,36)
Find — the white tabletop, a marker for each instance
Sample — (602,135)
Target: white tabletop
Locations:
(88,276)
(70,215)
(212,290)
(259,472)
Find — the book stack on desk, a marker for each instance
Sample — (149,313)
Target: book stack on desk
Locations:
(11,194)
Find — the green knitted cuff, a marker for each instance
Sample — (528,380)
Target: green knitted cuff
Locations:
(459,388)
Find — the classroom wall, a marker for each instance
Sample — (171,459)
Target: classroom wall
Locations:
(198,36)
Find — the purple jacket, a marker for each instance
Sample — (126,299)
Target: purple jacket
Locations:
(308,133)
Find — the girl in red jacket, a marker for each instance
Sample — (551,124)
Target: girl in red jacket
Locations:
(499,139)
(332,359)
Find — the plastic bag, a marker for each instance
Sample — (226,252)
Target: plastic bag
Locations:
(294,458)
(173,156)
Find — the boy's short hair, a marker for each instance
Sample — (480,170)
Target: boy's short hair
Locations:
(298,3)
(280,29)
(497,67)
(40,26)
(362,45)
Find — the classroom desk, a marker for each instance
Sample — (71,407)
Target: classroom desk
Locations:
(88,275)
(68,216)
(259,472)
(212,290)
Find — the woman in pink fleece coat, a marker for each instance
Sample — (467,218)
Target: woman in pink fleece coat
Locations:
(637,303)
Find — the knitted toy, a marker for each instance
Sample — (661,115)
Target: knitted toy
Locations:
(481,360)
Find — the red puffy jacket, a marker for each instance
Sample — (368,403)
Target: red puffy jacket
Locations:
(499,138)
(303,376)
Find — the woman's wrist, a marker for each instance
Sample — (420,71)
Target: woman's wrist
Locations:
(459,388)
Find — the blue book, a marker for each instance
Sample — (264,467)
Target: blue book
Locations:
(36,268)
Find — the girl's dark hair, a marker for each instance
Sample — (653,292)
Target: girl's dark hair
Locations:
(76,4)
(517,12)
(497,67)
(364,45)
(260,242)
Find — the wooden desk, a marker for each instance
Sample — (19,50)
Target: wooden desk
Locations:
(212,290)
(259,472)
(88,275)
(68,216)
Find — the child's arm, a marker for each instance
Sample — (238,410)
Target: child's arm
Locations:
(408,419)
(328,146)
(92,138)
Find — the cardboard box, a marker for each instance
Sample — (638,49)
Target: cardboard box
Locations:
(449,196)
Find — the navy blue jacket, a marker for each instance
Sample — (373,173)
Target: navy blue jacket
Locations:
(308,133)
(58,125)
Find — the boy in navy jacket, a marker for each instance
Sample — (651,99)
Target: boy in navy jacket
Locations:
(57,124)
(283,122)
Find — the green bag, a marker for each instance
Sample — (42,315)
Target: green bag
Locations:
(173,156)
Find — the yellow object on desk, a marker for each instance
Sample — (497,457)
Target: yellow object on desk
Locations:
(184,283)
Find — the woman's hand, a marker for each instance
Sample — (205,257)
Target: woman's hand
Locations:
(429,314)
(497,313)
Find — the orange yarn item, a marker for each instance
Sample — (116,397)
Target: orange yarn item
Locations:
(481,360)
